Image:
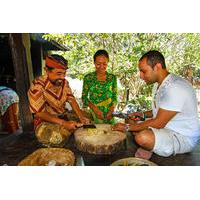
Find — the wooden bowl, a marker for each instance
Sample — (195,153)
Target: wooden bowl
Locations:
(133,161)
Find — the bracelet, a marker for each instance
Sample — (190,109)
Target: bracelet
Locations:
(127,127)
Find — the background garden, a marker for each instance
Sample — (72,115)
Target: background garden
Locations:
(181,51)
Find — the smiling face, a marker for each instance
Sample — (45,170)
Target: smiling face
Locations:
(147,73)
(101,63)
(56,76)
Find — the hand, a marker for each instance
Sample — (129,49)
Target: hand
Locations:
(119,127)
(78,125)
(71,125)
(96,110)
(136,116)
(110,112)
(109,116)
(85,120)
(99,113)
(129,121)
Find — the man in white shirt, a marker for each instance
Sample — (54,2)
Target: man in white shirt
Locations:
(173,126)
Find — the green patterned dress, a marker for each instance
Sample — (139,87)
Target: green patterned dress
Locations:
(103,94)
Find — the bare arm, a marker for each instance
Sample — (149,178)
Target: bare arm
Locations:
(77,110)
(45,116)
(162,118)
(96,110)
(110,112)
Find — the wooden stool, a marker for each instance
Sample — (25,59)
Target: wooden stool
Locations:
(101,141)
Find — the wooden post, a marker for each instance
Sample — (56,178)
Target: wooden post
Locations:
(20,64)
(27,46)
(36,52)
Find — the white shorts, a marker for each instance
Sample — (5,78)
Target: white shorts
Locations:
(168,142)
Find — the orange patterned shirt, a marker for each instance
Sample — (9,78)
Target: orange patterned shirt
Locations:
(44,96)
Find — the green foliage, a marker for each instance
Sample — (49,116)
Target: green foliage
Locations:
(142,102)
(125,49)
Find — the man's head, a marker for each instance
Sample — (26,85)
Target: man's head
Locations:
(101,59)
(56,67)
(151,64)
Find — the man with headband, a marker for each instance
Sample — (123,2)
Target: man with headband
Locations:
(48,95)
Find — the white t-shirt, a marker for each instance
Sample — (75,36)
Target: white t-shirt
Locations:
(177,94)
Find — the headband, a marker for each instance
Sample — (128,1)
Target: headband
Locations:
(51,62)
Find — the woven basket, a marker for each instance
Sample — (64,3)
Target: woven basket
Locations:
(52,135)
(45,156)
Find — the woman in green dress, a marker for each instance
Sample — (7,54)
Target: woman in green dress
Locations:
(100,90)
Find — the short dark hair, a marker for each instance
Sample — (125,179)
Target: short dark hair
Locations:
(101,52)
(154,57)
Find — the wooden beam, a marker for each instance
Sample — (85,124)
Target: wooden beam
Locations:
(36,52)
(20,64)
(27,45)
